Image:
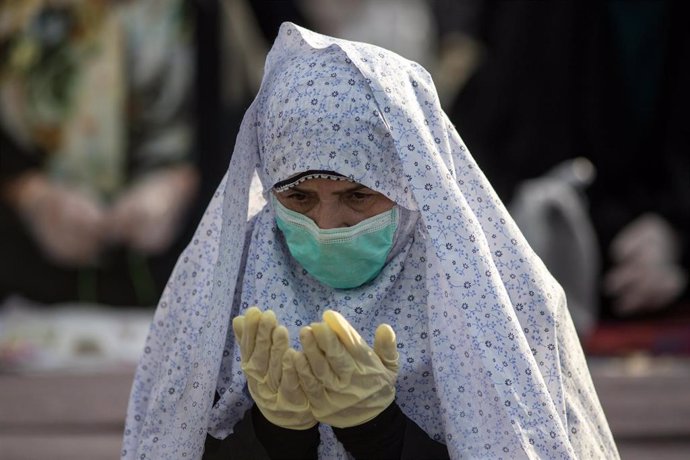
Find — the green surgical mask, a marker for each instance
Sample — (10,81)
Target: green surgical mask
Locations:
(342,258)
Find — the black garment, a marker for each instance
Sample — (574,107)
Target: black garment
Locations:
(13,160)
(255,438)
(270,14)
(391,435)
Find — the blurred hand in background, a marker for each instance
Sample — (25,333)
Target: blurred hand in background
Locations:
(147,216)
(67,224)
(646,274)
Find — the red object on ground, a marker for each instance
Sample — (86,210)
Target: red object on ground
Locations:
(668,335)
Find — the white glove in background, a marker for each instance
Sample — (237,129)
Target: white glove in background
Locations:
(148,215)
(67,224)
(646,275)
(267,362)
(347,383)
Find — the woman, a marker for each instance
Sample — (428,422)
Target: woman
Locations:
(488,359)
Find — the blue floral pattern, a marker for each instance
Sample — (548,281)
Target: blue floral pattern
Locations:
(490,362)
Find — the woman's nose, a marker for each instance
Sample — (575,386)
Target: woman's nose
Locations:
(328,216)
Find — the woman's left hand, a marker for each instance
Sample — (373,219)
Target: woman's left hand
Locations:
(346,381)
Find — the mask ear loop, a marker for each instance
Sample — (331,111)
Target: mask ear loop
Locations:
(406,229)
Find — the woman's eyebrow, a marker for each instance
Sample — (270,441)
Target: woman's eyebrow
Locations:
(354,188)
(299,189)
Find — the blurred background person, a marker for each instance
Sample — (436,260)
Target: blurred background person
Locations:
(96,147)
(404,26)
(555,81)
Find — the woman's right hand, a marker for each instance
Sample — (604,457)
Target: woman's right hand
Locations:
(267,362)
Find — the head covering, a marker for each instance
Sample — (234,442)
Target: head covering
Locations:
(490,362)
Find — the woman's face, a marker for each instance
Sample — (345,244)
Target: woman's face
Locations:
(334,204)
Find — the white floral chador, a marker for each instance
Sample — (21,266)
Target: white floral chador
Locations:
(490,362)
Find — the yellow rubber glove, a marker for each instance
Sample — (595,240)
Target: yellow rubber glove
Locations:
(267,363)
(347,383)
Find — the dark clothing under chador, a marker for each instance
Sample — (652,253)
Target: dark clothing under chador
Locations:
(391,435)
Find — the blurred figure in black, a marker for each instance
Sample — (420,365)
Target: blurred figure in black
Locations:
(606,81)
(96,167)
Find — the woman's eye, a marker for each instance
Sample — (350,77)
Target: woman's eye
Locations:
(359,196)
(360,200)
(297,201)
(299,197)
